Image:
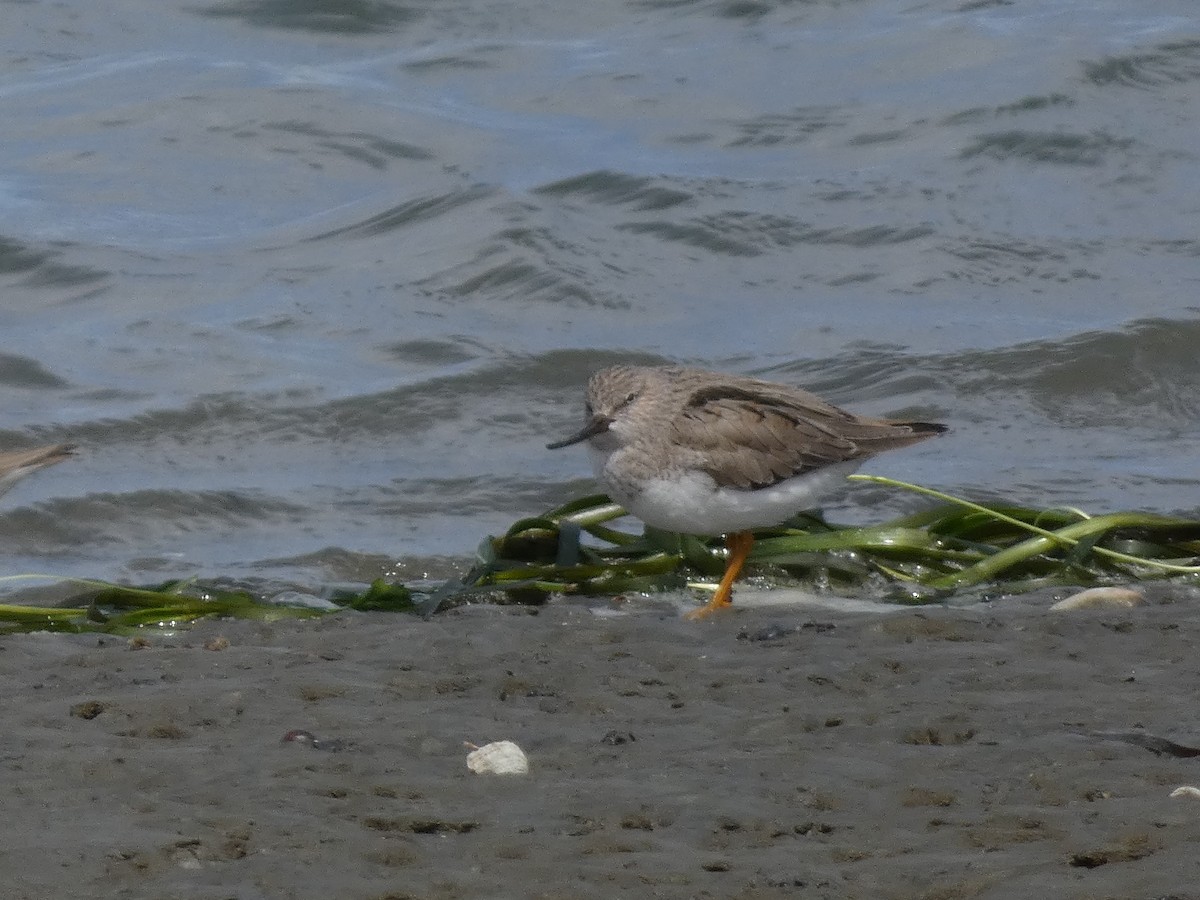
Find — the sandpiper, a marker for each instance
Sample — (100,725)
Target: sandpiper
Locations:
(16,465)
(707,453)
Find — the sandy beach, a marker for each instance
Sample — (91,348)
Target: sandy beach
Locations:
(770,752)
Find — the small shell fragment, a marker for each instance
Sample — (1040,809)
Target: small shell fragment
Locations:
(1101,598)
(1191,793)
(498,758)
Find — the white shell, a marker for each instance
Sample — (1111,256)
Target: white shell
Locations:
(1101,598)
(498,758)
(1192,793)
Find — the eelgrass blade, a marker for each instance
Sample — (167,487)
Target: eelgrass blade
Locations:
(1066,536)
(865,539)
(122,609)
(612,535)
(15,617)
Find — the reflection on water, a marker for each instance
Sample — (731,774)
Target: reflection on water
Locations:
(312,284)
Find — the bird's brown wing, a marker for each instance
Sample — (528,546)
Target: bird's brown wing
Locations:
(756,436)
(40,456)
(19,463)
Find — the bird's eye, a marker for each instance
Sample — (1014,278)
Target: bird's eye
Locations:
(632,396)
(587,407)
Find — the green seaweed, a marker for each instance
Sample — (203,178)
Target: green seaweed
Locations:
(121,609)
(954,546)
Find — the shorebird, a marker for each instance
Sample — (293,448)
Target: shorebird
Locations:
(705,453)
(17,464)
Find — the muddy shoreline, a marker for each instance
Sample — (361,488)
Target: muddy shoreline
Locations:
(772,752)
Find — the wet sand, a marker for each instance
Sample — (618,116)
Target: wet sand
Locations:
(771,752)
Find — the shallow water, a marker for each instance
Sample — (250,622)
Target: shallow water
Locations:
(312,285)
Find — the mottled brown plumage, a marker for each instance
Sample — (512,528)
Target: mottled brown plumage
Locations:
(756,434)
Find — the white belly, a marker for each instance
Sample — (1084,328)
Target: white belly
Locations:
(691,502)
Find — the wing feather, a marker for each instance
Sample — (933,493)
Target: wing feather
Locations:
(755,436)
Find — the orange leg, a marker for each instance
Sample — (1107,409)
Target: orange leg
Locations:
(738,546)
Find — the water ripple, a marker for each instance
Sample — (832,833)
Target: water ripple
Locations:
(618,189)
(410,213)
(1170,63)
(344,17)
(1060,148)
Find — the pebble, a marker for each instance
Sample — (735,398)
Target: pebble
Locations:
(498,758)
(1101,598)
(300,736)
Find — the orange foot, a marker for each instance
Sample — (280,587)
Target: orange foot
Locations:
(737,545)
